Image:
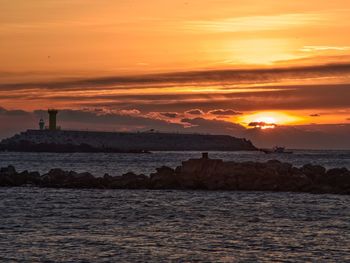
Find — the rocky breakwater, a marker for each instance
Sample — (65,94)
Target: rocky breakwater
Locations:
(198,174)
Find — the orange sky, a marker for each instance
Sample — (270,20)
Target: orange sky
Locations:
(45,43)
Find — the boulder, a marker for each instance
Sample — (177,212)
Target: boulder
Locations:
(164,178)
(54,178)
(314,172)
(8,171)
(9,177)
(33,178)
(81,180)
(129,181)
(339,178)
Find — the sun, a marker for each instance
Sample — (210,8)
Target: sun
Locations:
(264,123)
(267,120)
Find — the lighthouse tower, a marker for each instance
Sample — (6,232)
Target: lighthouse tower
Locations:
(52,119)
(41,124)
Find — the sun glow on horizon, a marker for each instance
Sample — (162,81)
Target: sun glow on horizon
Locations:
(265,120)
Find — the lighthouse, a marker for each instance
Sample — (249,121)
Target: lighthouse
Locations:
(41,124)
(52,119)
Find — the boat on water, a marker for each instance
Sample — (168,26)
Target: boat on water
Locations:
(276,149)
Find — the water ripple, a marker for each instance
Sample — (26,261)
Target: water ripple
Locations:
(62,225)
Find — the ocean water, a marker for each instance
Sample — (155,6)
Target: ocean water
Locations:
(116,164)
(50,225)
(67,225)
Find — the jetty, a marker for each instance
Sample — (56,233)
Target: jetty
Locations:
(197,174)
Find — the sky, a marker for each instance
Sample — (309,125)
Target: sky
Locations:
(275,72)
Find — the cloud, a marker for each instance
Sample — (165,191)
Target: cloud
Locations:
(324,48)
(294,97)
(105,110)
(14,121)
(13,113)
(261,124)
(254,23)
(195,112)
(203,125)
(169,114)
(196,78)
(247,90)
(132,112)
(186,120)
(226,112)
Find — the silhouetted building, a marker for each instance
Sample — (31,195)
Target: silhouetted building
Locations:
(52,119)
(41,124)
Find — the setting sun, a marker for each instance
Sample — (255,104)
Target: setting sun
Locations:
(265,120)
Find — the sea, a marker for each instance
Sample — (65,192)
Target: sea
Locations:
(70,225)
(119,163)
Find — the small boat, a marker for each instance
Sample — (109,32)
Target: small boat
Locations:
(276,149)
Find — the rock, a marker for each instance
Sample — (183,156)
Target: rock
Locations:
(64,179)
(127,181)
(8,171)
(106,179)
(114,182)
(201,174)
(314,172)
(337,172)
(220,182)
(33,178)
(339,178)
(107,176)
(81,180)
(54,178)
(9,177)
(6,181)
(164,178)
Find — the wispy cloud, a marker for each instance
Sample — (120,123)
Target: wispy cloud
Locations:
(224,112)
(255,23)
(324,48)
(275,88)
(195,112)
(199,78)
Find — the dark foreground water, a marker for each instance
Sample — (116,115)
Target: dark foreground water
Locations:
(46,225)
